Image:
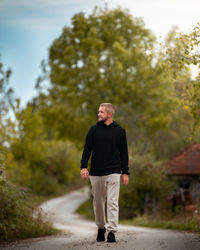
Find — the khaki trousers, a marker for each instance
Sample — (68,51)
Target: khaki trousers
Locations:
(106,187)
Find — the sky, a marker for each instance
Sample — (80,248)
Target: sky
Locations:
(28,28)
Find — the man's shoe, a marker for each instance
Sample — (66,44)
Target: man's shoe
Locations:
(111,237)
(101,234)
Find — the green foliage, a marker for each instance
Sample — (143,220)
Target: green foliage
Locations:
(43,171)
(187,55)
(167,143)
(107,56)
(6,99)
(29,156)
(37,162)
(16,217)
(148,187)
(2,161)
(5,91)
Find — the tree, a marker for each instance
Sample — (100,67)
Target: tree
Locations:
(41,163)
(5,91)
(169,141)
(6,126)
(106,57)
(181,58)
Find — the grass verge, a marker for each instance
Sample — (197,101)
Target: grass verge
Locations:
(86,210)
(177,223)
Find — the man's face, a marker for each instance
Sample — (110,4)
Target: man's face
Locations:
(102,114)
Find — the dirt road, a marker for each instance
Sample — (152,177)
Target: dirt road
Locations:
(80,234)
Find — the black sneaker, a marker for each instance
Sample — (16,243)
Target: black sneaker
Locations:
(101,234)
(111,237)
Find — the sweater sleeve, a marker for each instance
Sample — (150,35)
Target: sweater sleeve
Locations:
(87,149)
(124,153)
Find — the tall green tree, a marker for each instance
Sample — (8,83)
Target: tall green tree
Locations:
(107,56)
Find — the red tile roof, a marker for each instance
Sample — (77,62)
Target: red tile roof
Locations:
(187,161)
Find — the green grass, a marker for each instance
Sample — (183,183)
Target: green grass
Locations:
(178,223)
(86,209)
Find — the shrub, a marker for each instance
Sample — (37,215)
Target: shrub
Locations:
(45,169)
(149,186)
(16,216)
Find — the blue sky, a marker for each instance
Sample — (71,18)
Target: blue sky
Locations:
(28,28)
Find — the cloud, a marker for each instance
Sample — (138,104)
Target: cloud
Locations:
(42,14)
(54,14)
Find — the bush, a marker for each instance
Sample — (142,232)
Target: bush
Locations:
(45,169)
(149,186)
(16,216)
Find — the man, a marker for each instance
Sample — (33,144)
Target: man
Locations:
(107,142)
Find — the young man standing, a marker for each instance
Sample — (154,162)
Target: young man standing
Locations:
(107,142)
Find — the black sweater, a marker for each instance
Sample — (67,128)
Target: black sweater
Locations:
(108,146)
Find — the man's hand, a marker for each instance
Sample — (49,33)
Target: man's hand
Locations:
(125,179)
(84,173)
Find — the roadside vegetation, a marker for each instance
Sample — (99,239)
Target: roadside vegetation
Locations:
(107,56)
(19,219)
(177,223)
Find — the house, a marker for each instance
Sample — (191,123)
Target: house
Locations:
(184,168)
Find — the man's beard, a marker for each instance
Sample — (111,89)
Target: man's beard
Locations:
(103,120)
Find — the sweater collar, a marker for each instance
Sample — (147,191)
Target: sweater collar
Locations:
(113,124)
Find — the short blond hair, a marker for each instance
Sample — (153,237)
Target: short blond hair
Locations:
(109,107)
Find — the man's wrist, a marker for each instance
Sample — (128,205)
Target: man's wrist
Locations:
(82,167)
